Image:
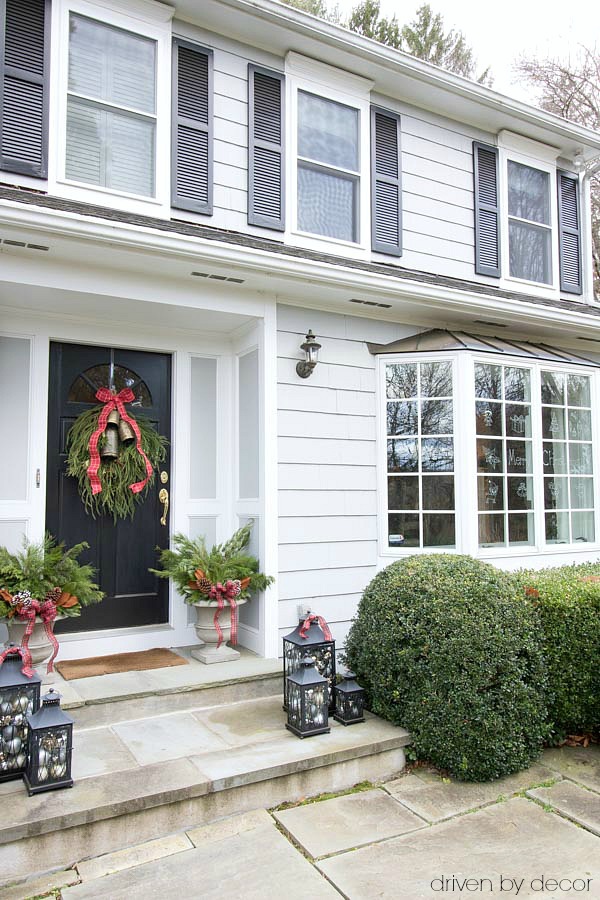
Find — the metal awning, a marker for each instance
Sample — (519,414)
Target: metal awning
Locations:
(439,339)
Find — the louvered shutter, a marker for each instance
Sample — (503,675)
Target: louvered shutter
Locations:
(386,185)
(266,179)
(487,210)
(192,128)
(569,234)
(24,70)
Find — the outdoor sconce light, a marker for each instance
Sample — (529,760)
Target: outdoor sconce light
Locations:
(309,636)
(349,701)
(308,699)
(50,747)
(19,698)
(311,351)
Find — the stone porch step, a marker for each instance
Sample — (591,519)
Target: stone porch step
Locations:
(142,776)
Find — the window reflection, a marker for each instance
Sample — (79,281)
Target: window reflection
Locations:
(84,387)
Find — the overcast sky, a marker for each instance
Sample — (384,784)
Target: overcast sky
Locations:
(500,32)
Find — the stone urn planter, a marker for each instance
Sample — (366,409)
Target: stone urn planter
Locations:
(207,633)
(39,644)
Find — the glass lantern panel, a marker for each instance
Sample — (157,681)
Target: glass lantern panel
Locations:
(294,705)
(52,755)
(315,707)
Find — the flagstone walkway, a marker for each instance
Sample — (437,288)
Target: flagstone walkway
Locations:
(419,837)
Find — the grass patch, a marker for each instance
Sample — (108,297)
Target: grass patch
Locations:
(328,795)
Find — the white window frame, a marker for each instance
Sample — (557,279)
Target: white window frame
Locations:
(514,148)
(312,77)
(465,469)
(144,18)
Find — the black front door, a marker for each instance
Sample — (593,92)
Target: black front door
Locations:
(123,552)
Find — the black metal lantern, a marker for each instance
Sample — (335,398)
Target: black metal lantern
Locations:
(311,349)
(19,698)
(320,647)
(308,700)
(50,747)
(349,701)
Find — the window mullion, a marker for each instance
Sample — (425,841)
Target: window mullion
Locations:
(537,451)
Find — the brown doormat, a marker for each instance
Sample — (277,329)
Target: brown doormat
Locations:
(119,662)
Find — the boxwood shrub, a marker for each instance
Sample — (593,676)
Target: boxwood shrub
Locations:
(568,602)
(449,647)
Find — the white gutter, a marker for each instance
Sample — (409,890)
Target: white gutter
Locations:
(265,263)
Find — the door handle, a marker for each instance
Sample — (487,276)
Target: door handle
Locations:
(163,497)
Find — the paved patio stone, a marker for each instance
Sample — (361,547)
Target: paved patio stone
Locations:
(574,801)
(226,828)
(577,763)
(98,752)
(259,864)
(133,856)
(35,887)
(329,826)
(512,840)
(239,723)
(436,799)
(167,737)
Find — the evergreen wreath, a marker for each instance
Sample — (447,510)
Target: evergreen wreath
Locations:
(116,475)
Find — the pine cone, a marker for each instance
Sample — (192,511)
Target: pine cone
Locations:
(204,586)
(54,595)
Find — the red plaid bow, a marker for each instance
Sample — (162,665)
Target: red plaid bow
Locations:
(322,623)
(221,593)
(46,610)
(114,401)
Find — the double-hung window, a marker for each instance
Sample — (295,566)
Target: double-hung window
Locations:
(529,223)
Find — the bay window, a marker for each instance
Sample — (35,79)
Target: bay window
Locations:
(507,469)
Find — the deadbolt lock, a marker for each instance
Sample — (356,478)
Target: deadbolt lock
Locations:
(164,477)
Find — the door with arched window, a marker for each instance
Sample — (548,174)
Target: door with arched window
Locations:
(122,552)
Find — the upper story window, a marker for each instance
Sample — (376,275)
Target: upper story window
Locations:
(529,223)
(111,107)
(328,168)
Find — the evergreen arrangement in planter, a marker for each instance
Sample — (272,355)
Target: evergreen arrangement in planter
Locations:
(449,647)
(567,600)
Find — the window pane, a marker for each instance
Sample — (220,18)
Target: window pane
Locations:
(488,417)
(438,492)
(401,380)
(528,193)
(327,131)
(578,390)
(327,204)
(557,528)
(582,493)
(490,493)
(110,149)
(489,456)
(518,457)
(517,384)
(436,379)
(518,420)
(437,454)
(438,531)
(529,252)
(553,388)
(488,381)
(110,64)
(520,493)
(555,493)
(554,457)
(520,528)
(248,430)
(436,417)
(580,425)
(403,530)
(553,423)
(403,493)
(580,459)
(15,413)
(582,525)
(491,530)
(402,417)
(402,456)
(203,417)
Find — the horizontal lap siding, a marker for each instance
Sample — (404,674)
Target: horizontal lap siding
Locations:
(327,466)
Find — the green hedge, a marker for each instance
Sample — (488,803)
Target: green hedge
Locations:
(568,602)
(449,647)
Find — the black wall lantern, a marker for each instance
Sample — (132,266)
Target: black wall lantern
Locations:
(349,701)
(50,747)
(311,635)
(308,699)
(19,698)
(311,353)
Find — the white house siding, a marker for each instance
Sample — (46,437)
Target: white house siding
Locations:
(327,466)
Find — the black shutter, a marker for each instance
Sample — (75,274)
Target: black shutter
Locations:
(569,234)
(24,71)
(386,183)
(487,210)
(266,176)
(192,128)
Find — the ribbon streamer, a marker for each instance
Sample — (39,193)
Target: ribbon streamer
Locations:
(116,401)
(47,613)
(320,621)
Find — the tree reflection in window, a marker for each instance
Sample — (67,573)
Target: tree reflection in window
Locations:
(83,389)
